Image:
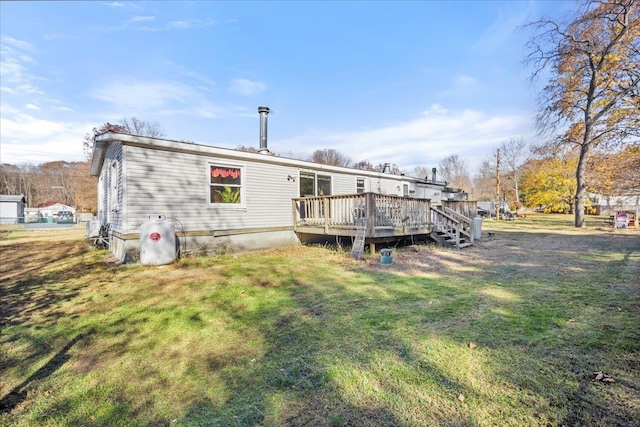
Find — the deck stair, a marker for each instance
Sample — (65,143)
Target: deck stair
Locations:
(450,228)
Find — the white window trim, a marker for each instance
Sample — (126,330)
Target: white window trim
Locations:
(243,187)
(113,186)
(330,183)
(315,180)
(364,181)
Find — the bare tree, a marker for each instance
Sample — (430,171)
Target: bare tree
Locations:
(454,171)
(364,165)
(484,181)
(514,155)
(132,126)
(421,172)
(90,137)
(248,149)
(330,157)
(592,98)
(135,126)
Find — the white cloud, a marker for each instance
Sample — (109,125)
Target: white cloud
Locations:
(16,124)
(464,80)
(18,44)
(246,87)
(179,24)
(189,23)
(161,97)
(205,80)
(184,24)
(422,141)
(142,19)
(32,107)
(128,5)
(55,36)
(138,95)
(13,66)
(27,138)
(502,28)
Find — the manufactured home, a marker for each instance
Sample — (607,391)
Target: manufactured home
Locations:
(222,199)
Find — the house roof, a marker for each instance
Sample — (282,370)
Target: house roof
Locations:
(103,140)
(12,198)
(57,205)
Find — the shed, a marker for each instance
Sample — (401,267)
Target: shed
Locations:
(12,208)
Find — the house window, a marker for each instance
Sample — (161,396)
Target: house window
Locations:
(307,184)
(324,185)
(314,185)
(360,185)
(225,184)
(405,190)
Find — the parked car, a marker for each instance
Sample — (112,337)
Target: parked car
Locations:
(483,213)
(65,217)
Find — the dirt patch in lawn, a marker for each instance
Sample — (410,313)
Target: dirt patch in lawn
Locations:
(549,250)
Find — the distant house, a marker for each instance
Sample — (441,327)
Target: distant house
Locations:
(12,209)
(52,211)
(609,205)
(223,199)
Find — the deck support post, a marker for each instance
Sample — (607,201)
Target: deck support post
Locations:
(325,209)
(371,215)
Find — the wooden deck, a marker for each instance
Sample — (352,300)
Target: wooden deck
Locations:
(386,217)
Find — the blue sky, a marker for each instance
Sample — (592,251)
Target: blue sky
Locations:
(402,82)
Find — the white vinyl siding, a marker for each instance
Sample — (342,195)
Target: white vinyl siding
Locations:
(110,190)
(173,184)
(177,184)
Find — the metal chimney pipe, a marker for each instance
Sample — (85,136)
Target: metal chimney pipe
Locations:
(263,130)
(433,175)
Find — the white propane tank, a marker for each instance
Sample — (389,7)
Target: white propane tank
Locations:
(157,241)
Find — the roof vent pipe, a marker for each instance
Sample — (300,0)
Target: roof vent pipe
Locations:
(433,175)
(263,130)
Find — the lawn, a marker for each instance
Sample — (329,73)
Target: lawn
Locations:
(509,332)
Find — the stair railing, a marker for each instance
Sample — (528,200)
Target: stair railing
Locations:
(466,224)
(446,223)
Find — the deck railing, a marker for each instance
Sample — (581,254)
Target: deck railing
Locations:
(386,215)
(467,208)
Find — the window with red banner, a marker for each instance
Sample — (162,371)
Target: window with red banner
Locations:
(225,184)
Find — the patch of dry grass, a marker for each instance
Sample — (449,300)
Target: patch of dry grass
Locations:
(507,332)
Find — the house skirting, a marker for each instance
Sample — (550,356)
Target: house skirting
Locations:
(126,247)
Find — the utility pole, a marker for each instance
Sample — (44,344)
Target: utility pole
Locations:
(498,185)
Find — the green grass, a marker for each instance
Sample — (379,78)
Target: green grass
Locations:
(306,336)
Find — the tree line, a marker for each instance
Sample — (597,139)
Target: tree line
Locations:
(531,175)
(48,183)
